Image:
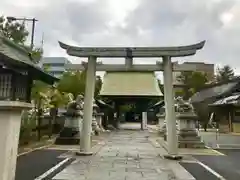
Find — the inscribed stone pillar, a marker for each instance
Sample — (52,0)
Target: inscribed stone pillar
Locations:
(144,120)
(10,121)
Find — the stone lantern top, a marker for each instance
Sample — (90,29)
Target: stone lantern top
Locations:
(183,106)
(185,110)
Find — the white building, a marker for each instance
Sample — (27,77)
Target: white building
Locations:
(55,65)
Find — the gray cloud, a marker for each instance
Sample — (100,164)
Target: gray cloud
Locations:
(187,21)
(153,22)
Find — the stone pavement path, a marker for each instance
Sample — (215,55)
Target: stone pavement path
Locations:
(126,155)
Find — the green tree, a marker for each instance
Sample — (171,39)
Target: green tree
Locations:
(40,99)
(13,30)
(192,82)
(224,73)
(198,81)
(17,32)
(36,53)
(74,82)
(57,100)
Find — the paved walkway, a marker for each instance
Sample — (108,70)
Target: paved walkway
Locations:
(126,155)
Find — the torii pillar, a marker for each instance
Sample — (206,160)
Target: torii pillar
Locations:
(85,138)
(172,141)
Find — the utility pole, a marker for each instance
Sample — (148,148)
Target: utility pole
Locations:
(33,31)
(33,20)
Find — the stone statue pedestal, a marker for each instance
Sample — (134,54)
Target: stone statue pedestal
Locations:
(188,136)
(144,125)
(10,120)
(70,134)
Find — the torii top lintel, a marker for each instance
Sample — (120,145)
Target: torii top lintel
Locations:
(137,52)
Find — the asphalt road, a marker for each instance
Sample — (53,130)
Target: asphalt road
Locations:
(198,172)
(34,164)
(227,166)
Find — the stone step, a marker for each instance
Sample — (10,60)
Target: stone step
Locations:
(191,144)
(196,138)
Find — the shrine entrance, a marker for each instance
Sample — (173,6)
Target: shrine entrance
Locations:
(131,108)
(166,53)
(131,93)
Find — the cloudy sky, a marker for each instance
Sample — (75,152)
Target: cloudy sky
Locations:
(136,23)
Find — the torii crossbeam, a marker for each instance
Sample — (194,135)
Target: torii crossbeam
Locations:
(137,52)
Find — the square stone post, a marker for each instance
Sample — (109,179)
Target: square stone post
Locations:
(128,59)
(170,117)
(85,139)
(144,121)
(128,63)
(10,122)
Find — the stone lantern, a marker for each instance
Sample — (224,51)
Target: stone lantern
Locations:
(71,132)
(187,136)
(17,73)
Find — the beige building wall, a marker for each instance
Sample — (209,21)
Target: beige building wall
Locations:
(200,67)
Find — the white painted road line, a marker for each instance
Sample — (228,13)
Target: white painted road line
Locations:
(44,175)
(218,152)
(215,151)
(211,171)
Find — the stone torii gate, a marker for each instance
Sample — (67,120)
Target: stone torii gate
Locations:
(92,53)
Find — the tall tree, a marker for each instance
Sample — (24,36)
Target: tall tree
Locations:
(192,82)
(74,82)
(17,32)
(224,73)
(13,30)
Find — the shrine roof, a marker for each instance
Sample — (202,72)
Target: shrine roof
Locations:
(16,56)
(233,99)
(130,84)
(217,90)
(103,104)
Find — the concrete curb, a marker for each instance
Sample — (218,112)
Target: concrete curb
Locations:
(214,150)
(35,149)
(71,153)
(71,156)
(180,172)
(52,170)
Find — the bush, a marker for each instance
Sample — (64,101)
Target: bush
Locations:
(27,124)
